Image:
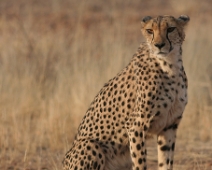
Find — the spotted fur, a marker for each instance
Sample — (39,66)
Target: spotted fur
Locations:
(147,97)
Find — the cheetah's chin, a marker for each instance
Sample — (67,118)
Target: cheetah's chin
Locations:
(162,54)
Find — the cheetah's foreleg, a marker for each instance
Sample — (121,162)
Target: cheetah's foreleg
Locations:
(137,147)
(166,144)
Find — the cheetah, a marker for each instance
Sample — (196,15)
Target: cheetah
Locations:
(147,97)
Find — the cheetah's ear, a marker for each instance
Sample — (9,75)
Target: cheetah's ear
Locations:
(183,19)
(145,20)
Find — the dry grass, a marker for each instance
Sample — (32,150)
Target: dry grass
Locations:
(56,55)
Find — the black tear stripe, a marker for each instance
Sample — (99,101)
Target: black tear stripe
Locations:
(152,35)
(171,48)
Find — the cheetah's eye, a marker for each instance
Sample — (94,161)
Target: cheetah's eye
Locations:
(150,31)
(170,29)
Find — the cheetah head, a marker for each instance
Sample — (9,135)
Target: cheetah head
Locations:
(164,34)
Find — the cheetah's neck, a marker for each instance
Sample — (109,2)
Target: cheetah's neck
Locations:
(172,63)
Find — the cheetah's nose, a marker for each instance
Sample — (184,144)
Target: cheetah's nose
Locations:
(159,45)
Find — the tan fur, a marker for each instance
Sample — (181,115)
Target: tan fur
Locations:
(147,97)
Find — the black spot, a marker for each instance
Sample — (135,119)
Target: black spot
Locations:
(175,126)
(140,161)
(109,94)
(149,102)
(165,105)
(142,153)
(115,151)
(149,94)
(165,148)
(148,115)
(167,161)
(133,140)
(136,133)
(167,90)
(138,146)
(95,165)
(112,143)
(160,164)
(114,118)
(173,146)
(141,134)
(134,155)
(144,159)
(158,113)
(88,147)
(160,142)
(94,153)
(100,155)
(145,128)
(81,162)
(128,106)
(114,100)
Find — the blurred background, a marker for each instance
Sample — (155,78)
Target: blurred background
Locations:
(55,55)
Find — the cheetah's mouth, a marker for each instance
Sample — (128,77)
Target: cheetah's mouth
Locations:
(162,53)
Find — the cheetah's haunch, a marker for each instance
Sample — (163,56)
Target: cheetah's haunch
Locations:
(146,97)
